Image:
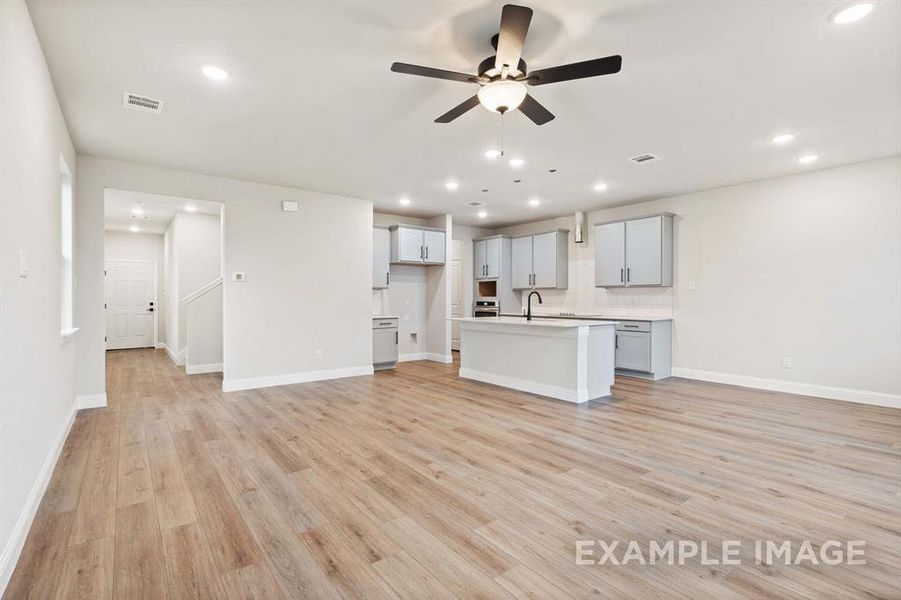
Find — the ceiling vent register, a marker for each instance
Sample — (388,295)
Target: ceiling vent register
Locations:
(643,158)
(138,102)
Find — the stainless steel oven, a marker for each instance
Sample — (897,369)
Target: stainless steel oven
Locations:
(486,308)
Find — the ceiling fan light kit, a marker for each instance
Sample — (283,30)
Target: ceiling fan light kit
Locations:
(504,76)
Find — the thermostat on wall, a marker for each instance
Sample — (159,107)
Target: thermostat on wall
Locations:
(289,206)
(238,276)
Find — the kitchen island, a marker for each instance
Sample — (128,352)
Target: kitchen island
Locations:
(567,359)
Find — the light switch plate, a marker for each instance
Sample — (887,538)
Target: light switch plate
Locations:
(289,206)
(23,264)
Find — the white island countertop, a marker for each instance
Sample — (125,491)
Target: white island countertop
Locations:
(536,321)
(604,317)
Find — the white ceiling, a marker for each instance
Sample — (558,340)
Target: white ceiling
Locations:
(158,210)
(312,104)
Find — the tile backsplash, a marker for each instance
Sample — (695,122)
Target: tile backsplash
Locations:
(582,297)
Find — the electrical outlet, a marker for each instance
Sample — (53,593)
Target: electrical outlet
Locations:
(692,285)
(238,277)
(786,362)
(318,355)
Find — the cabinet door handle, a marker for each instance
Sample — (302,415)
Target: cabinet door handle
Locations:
(395,337)
(427,253)
(632,326)
(628,274)
(388,278)
(616,342)
(621,279)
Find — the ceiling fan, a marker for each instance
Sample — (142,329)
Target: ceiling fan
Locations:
(503,77)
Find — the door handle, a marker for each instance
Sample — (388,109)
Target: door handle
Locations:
(621,279)
(615,342)
(628,274)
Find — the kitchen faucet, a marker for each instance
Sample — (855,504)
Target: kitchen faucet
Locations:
(529,303)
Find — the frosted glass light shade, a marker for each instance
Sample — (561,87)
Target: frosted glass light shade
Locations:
(501,96)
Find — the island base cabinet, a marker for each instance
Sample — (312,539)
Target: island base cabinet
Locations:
(644,349)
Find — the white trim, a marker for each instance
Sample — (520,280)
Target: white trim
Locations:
(440,358)
(16,541)
(202,290)
(791,387)
(177,358)
(413,356)
(67,333)
(251,383)
(523,385)
(198,369)
(91,401)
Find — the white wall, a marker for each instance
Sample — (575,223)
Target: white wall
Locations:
(170,289)
(439,297)
(806,266)
(37,401)
(198,258)
(308,274)
(203,337)
(141,246)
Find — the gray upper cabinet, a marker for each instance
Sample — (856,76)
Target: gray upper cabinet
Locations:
(610,255)
(486,258)
(635,252)
(433,243)
(417,245)
(541,260)
(381,257)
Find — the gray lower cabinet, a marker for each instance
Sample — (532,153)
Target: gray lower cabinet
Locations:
(384,342)
(644,349)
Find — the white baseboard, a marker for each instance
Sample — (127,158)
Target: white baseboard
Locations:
(91,401)
(441,358)
(198,369)
(16,541)
(413,356)
(251,383)
(177,357)
(791,387)
(524,385)
(159,345)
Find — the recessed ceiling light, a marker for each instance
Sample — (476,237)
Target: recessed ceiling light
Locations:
(534,202)
(191,208)
(517,162)
(852,12)
(137,210)
(451,185)
(600,187)
(482,214)
(493,154)
(782,138)
(214,72)
(405,201)
(807,159)
(134,229)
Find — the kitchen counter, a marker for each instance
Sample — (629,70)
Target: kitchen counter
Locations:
(601,317)
(536,322)
(566,359)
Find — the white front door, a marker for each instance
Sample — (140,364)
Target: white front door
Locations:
(130,304)
(458,305)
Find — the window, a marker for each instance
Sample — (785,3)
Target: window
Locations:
(65,239)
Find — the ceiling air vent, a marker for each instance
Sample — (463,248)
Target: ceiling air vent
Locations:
(136,102)
(643,158)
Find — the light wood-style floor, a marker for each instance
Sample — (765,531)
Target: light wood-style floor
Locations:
(417,484)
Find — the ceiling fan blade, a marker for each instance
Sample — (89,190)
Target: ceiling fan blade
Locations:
(458,110)
(399,67)
(514,27)
(531,108)
(579,70)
